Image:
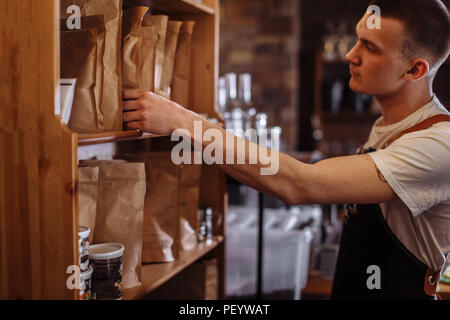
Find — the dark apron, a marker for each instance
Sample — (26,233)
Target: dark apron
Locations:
(367,240)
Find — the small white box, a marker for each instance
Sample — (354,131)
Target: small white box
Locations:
(67,91)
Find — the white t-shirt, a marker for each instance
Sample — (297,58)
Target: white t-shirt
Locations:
(417,167)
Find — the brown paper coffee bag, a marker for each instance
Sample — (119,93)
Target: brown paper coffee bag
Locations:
(149,39)
(120,211)
(95,22)
(189,198)
(182,65)
(87,198)
(132,47)
(112,95)
(79,60)
(173,30)
(160,23)
(162,207)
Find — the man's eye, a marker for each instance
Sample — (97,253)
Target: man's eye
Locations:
(370,48)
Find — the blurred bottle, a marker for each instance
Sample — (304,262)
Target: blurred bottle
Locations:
(330,42)
(246,102)
(261,121)
(230,101)
(231,93)
(222,91)
(245,91)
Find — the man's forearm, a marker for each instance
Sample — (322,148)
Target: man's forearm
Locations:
(350,179)
(284,184)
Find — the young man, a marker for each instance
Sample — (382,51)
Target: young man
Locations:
(400,180)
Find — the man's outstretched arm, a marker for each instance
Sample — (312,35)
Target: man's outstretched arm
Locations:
(353,179)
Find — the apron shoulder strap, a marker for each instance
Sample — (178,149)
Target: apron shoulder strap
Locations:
(420,126)
(432,277)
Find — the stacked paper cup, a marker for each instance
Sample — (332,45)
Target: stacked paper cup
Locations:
(106,259)
(85,268)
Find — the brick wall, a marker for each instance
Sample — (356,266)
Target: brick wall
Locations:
(262,37)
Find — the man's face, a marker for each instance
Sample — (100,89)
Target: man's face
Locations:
(376,62)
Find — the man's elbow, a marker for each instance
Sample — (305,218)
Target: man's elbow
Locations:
(293,196)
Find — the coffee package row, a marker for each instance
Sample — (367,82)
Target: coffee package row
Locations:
(156,54)
(148,204)
(111,204)
(111,50)
(171,203)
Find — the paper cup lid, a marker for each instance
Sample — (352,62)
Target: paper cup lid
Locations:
(83,232)
(106,251)
(87,274)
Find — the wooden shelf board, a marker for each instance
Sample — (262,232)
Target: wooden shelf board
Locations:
(444,290)
(317,286)
(155,275)
(106,137)
(182,6)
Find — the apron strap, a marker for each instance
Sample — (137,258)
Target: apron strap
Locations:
(431,281)
(420,126)
(432,277)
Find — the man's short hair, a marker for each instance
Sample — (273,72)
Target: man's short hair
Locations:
(427,26)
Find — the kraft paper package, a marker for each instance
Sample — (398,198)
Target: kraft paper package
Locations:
(189,198)
(120,212)
(112,84)
(79,60)
(162,206)
(132,47)
(160,22)
(87,198)
(182,65)
(173,30)
(95,22)
(149,39)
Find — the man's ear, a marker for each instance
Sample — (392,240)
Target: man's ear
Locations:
(418,68)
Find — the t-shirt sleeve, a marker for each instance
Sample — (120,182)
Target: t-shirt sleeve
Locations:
(417,167)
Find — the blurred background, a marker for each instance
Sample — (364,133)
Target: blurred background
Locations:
(294,51)
(282,65)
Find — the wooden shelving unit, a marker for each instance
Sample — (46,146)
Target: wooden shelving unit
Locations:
(155,275)
(39,155)
(317,287)
(444,290)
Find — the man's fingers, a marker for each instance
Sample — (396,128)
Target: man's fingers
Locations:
(133,94)
(131,116)
(130,105)
(135,125)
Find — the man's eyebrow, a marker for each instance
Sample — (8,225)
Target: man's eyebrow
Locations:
(369,42)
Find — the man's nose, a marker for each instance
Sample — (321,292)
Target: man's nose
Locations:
(353,56)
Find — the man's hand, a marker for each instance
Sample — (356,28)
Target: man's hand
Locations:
(146,111)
